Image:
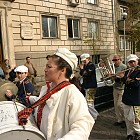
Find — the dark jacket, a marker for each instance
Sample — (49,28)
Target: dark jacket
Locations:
(89,76)
(23,88)
(131,94)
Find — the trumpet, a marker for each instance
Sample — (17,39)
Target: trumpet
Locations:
(115,75)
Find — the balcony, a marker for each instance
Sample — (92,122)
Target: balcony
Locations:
(121,25)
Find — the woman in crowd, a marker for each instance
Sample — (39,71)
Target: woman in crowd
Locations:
(64,115)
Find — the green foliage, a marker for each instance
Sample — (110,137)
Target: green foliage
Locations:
(138,46)
(90,41)
(133,23)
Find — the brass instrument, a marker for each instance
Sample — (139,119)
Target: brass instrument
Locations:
(106,69)
(114,75)
(137,113)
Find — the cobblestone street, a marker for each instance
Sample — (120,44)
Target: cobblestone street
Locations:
(104,128)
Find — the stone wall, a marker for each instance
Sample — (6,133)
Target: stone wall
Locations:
(37,48)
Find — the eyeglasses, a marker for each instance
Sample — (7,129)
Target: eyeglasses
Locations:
(115,59)
(20,72)
(131,61)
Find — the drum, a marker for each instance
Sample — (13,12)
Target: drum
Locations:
(7,85)
(9,127)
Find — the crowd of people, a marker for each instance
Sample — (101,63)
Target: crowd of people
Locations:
(66,111)
(126,91)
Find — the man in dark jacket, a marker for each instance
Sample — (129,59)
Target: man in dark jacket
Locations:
(88,72)
(131,97)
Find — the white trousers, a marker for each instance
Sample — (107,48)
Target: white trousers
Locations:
(132,127)
(118,105)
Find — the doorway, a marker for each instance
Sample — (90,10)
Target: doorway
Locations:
(1,50)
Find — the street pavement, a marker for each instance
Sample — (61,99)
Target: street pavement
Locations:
(104,128)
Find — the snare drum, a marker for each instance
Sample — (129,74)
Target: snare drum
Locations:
(9,127)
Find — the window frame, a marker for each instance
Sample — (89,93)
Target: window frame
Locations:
(90,2)
(97,29)
(121,43)
(56,22)
(73,32)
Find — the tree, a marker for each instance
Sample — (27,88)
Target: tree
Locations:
(133,24)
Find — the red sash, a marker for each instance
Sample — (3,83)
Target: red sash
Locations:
(25,113)
(40,108)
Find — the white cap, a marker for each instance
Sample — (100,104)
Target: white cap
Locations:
(21,68)
(132,57)
(68,56)
(84,56)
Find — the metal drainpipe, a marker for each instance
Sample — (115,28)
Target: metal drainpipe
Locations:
(114,22)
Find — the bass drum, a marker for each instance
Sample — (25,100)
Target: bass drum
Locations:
(7,85)
(9,127)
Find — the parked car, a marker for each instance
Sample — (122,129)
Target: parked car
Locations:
(104,94)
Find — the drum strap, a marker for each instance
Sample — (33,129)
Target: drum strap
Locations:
(25,113)
(40,107)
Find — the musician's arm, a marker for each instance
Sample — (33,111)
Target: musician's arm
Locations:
(43,91)
(134,82)
(10,96)
(91,69)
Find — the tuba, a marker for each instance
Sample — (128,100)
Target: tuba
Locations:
(106,69)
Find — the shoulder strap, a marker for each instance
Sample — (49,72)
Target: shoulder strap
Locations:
(47,96)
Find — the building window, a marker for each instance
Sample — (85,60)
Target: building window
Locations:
(49,26)
(93,29)
(73,28)
(121,43)
(96,58)
(92,1)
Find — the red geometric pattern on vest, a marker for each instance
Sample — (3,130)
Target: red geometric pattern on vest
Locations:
(40,108)
(25,113)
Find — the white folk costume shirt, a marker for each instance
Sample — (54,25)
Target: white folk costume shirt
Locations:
(65,115)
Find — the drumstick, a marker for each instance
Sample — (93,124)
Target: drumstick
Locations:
(15,105)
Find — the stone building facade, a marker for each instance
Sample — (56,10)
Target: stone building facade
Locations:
(37,28)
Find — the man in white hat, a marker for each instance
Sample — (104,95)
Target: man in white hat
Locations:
(25,88)
(88,72)
(131,97)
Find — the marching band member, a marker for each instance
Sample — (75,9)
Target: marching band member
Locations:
(131,97)
(25,88)
(88,72)
(118,90)
(61,111)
